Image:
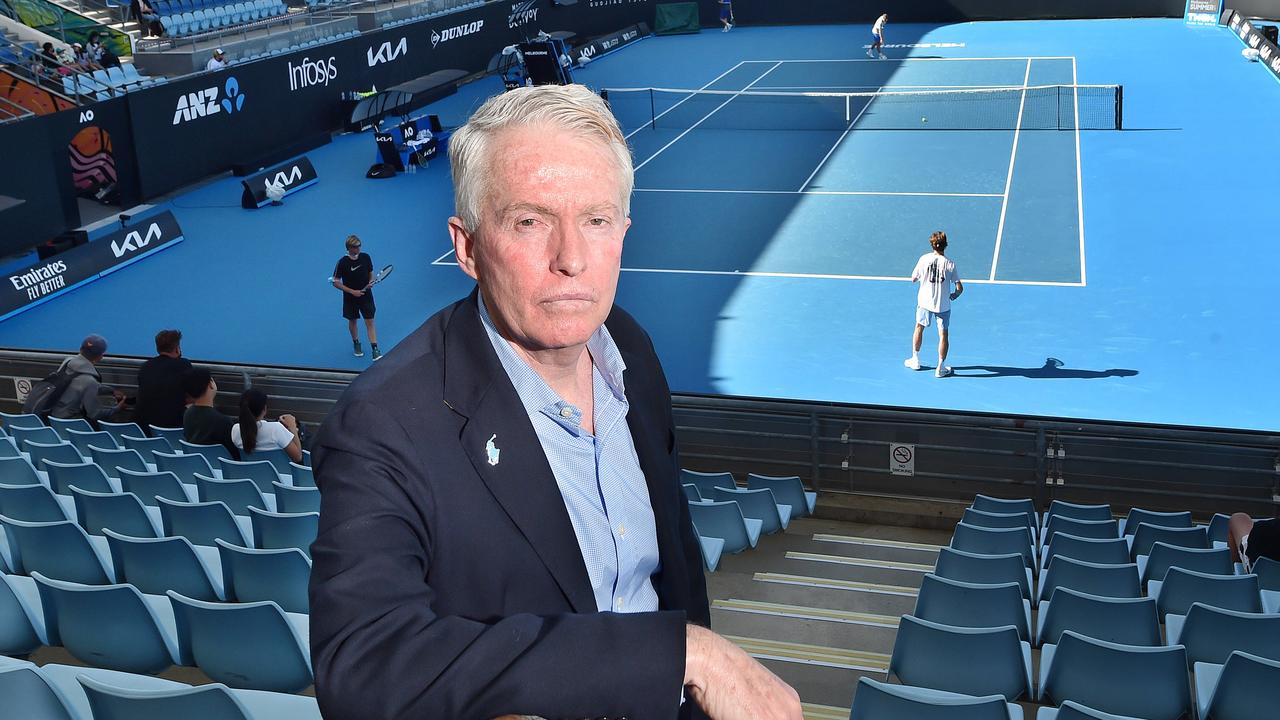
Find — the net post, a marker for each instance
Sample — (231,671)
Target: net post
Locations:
(1119,107)
(848,110)
(1058,91)
(653,112)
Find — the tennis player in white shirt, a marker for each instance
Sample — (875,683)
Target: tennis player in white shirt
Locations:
(936,275)
(877,36)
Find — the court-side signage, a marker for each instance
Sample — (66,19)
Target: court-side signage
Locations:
(291,176)
(56,275)
(1202,12)
(612,41)
(1268,53)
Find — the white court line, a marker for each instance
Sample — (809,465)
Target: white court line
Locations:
(1008,182)
(857,88)
(673,107)
(810,276)
(819,192)
(923,59)
(437,260)
(1075,99)
(706,117)
(839,140)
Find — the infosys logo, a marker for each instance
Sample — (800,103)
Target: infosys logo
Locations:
(455,32)
(522,13)
(387,52)
(310,73)
(203,103)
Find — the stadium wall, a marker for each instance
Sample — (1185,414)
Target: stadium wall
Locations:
(770,12)
(1266,9)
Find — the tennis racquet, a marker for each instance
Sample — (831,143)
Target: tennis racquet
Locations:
(382,275)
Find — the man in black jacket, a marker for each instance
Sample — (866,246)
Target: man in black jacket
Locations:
(161,398)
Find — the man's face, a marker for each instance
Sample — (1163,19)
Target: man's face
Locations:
(548,248)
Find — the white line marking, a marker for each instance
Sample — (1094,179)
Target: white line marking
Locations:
(673,107)
(437,260)
(706,117)
(839,140)
(819,192)
(820,276)
(1008,181)
(923,59)
(857,88)
(1075,99)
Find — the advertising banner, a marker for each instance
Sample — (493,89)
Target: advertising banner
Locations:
(1202,13)
(291,177)
(1268,53)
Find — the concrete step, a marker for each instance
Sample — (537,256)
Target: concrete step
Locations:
(816,592)
(804,624)
(813,711)
(845,568)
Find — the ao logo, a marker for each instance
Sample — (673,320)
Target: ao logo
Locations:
(135,241)
(284,179)
(387,53)
(203,103)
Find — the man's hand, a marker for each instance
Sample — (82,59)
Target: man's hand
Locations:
(356,293)
(729,685)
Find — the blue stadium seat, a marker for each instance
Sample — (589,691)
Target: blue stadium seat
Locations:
(150,485)
(28,695)
(712,549)
(276,456)
(1181,588)
(84,440)
(122,512)
(1077,512)
(1075,711)
(262,473)
(59,550)
(707,482)
(22,627)
(1129,621)
(290,499)
(247,645)
(988,569)
(1093,578)
(8,447)
(18,471)
(1164,556)
(881,701)
(757,504)
(1246,686)
(983,541)
(173,435)
(20,420)
(112,460)
(63,452)
(40,434)
(210,452)
(109,626)
(1000,521)
(1113,551)
(302,475)
(1268,572)
(185,466)
(1092,529)
(940,657)
(787,491)
(1210,634)
(84,475)
(253,575)
(1146,682)
(202,523)
(119,430)
(239,495)
(1146,535)
(33,503)
(986,503)
(1138,516)
(146,447)
(724,520)
(962,604)
(691,493)
(214,701)
(280,530)
(1218,528)
(156,565)
(60,424)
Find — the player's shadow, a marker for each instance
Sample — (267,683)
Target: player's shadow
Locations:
(1051,370)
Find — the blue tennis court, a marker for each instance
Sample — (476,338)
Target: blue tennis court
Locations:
(774,229)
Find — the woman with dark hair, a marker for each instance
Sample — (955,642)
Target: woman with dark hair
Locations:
(253,433)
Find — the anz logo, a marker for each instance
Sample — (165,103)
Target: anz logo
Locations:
(387,53)
(522,13)
(283,179)
(203,103)
(135,241)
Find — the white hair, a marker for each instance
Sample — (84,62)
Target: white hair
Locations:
(573,108)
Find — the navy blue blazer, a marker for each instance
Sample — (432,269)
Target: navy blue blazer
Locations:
(444,586)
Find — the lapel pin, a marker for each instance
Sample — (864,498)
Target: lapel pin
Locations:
(492,450)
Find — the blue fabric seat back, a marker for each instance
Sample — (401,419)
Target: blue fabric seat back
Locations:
(940,657)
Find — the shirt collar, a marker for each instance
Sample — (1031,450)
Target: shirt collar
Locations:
(535,394)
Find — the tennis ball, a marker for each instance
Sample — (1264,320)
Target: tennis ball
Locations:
(924,119)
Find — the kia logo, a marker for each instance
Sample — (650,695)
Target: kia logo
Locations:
(135,241)
(386,53)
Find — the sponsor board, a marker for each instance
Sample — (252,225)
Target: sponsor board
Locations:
(605,43)
(311,73)
(522,13)
(1268,53)
(48,278)
(204,103)
(387,52)
(292,176)
(455,32)
(908,46)
(1202,13)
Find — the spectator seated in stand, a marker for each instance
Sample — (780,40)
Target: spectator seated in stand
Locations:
(1251,539)
(80,398)
(202,424)
(162,398)
(253,433)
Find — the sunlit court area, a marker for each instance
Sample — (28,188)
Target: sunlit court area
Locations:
(936,384)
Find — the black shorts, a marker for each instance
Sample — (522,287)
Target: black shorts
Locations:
(1263,541)
(354,307)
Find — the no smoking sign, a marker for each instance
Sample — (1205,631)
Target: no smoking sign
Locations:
(902,459)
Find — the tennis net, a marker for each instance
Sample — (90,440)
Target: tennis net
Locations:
(1042,107)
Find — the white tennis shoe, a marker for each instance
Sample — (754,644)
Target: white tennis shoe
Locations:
(942,371)
(912,363)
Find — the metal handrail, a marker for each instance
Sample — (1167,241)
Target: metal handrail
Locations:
(13,110)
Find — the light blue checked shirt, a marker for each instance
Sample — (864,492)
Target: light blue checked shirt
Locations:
(599,475)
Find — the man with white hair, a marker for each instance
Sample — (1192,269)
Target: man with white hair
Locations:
(502,529)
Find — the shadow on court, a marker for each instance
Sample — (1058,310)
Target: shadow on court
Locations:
(1051,370)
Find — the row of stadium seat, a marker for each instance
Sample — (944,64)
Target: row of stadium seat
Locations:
(300,46)
(434,8)
(200,20)
(102,83)
(1102,646)
(731,519)
(65,692)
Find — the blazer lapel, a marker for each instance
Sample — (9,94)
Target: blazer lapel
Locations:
(505,452)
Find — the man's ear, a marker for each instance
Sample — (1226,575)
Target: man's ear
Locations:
(463,246)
